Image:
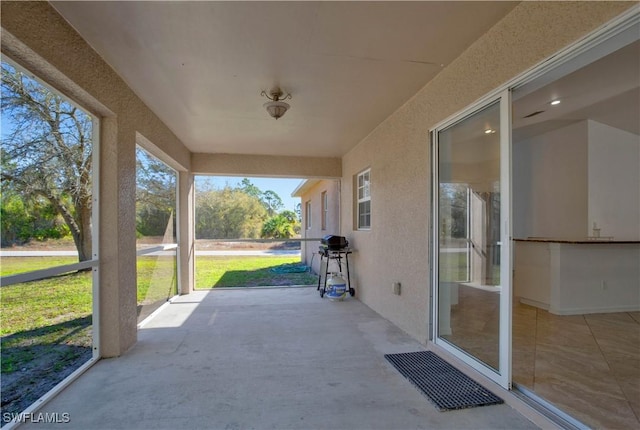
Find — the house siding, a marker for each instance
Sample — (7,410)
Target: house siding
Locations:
(310,255)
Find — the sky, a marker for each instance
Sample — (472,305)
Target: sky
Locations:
(282,187)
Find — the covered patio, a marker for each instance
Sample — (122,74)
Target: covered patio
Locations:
(264,358)
(370,83)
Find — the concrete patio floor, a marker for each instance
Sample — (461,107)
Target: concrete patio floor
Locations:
(262,359)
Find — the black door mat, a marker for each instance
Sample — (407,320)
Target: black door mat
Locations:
(447,387)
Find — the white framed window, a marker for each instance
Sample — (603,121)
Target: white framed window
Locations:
(307,214)
(364,200)
(325,209)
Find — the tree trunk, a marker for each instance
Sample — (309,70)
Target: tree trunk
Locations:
(84,242)
(81,227)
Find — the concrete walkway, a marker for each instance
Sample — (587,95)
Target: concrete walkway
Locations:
(262,359)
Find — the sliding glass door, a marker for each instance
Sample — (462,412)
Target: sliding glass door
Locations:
(472,256)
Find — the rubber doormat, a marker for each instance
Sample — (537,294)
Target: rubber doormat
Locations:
(447,387)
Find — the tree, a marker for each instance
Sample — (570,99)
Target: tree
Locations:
(272,202)
(248,188)
(155,196)
(281,226)
(22,220)
(454,209)
(228,214)
(270,199)
(298,211)
(48,152)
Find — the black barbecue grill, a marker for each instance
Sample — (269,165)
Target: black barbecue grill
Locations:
(333,248)
(333,243)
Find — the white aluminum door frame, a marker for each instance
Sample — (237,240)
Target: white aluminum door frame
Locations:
(503,374)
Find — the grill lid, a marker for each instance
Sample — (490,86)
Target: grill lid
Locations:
(334,242)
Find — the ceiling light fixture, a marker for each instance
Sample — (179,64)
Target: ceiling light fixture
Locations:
(489,131)
(555,102)
(276,107)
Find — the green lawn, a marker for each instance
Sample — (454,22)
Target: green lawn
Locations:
(13,265)
(37,304)
(216,272)
(453,266)
(46,330)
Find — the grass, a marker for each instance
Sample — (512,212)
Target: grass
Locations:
(37,304)
(217,272)
(157,278)
(46,330)
(14,265)
(453,266)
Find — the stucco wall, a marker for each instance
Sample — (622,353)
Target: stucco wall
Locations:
(36,37)
(264,165)
(314,195)
(396,249)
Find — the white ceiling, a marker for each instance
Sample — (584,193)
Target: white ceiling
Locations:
(606,90)
(200,66)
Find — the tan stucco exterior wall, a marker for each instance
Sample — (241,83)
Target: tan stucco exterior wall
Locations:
(396,249)
(265,165)
(310,254)
(36,37)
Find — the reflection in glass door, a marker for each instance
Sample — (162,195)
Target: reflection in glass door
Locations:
(472,309)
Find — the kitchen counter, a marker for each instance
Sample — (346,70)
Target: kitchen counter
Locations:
(601,239)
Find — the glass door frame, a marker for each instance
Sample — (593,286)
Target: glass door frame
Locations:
(503,375)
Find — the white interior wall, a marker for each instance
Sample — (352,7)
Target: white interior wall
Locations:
(550,184)
(614,181)
(567,179)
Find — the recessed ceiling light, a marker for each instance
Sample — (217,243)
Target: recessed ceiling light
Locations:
(489,131)
(555,102)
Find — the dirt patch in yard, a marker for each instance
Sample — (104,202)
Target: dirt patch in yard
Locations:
(35,361)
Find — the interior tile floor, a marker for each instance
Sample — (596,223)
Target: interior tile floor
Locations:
(586,365)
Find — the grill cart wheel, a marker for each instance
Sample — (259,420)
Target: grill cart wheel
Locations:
(321,292)
(352,292)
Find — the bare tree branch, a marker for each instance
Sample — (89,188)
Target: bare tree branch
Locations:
(48,152)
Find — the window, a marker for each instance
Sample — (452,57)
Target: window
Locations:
(325,209)
(307,214)
(364,200)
